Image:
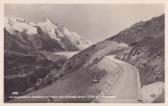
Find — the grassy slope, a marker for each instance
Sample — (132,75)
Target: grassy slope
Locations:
(21,70)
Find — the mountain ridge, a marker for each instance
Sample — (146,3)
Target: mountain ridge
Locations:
(45,35)
(137,42)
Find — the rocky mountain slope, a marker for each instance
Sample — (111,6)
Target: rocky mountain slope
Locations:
(142,45)
(28,48)
(146,49)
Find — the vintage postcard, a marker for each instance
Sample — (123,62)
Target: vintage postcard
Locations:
(84,53)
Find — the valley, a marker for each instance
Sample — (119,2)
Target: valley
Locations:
(45,62)
(117,79)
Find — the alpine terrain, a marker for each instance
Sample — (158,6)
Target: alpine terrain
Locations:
(28,51)
(127,67)
(141,45)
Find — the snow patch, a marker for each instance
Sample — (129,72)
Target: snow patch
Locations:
(54,31)
(18,24)
(81,42)
(49,28)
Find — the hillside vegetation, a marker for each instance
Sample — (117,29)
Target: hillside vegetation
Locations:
(142,45)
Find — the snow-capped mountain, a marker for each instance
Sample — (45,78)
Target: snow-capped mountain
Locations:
(44,35)
(13,25)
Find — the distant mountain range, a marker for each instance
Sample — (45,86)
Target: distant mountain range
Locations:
(23,36)
(27,46)
(141,45)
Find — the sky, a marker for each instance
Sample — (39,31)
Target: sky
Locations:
(95,22)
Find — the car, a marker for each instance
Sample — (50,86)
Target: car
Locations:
(140,100)
(95,81)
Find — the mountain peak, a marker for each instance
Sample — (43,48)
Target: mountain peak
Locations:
(48,20)
(16,19)
(12,25)
(57,32)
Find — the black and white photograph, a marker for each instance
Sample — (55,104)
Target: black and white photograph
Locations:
(84,53)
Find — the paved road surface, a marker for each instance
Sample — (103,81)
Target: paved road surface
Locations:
(118,81)
(127,86)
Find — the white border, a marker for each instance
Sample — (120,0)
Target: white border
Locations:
(81,2)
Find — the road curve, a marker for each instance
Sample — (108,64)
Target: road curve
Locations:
(118,80)
(127,87)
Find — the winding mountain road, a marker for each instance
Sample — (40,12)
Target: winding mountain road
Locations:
(118,82)
(127,87)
